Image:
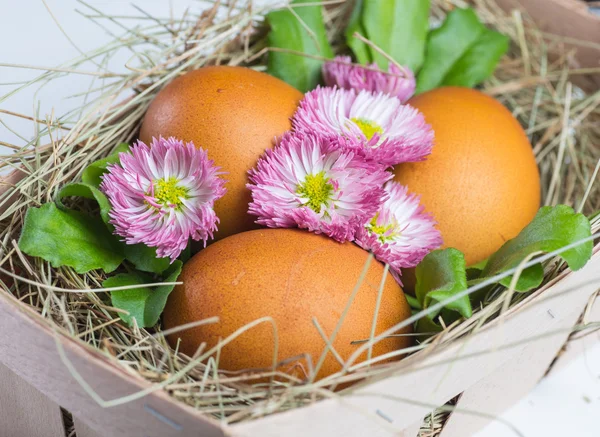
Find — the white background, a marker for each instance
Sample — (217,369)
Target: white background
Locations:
(564,405)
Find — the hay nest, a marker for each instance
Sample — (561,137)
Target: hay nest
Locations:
(535,80)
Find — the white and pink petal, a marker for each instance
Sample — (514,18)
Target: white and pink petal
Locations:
(137,212)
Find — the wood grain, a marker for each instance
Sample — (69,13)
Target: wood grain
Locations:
(28,347)
(24,411)
(568,18)
(412,431)
(82,430)
(507,385)
(8,182)
(580,342)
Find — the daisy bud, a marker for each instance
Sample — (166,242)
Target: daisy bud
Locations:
(397,82)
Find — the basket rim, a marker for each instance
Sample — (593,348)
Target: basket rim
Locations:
(95,357)
(96,362)
(29,321)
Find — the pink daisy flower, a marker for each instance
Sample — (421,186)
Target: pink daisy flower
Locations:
(401,233)
(163,195)
(398,81)
(309,182)
(378,127)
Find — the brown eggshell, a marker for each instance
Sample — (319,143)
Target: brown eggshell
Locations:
(234,113)
(291,276)
(481,182)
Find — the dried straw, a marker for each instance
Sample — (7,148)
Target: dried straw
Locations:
(533,80)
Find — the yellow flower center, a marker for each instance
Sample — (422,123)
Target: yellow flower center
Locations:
(317,189)
(369,128)
(167,192)
(382,230)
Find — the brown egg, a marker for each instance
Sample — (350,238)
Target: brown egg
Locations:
(232,112)
(292,276)
(481,181)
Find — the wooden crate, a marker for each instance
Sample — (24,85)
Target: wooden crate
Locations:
(43,372)
(486,370)
(573,20)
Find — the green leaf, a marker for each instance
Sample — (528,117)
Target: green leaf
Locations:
(427,327)
(144,258)
(413,302)
(146,304)
(69,238)
(461,52)
(360,49)
(399,28)
(551,229)
(91,175)
(446,45)
(474,271)
(87,191)
(300,29)
(529,278)
(480,265)
(479,62)
(440,276)
(442,273)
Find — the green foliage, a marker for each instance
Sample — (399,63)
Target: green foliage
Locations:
(462,52)
(145,304)
(413,302)
(144,258)
(440,276)
(299,29)
(92,174)
(69,238)
(479,62)
(361,51)
(442,273)
(141,256)
(552,228)
(87,191)
(399,28)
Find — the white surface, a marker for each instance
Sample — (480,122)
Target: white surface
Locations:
(565,405)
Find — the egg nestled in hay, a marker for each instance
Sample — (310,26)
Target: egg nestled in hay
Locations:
(234,113)
(300,282)
(481,181)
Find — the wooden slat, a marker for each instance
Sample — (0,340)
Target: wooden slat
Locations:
(82,430)
(421,383)
(7,182)
(24,411)
(412,431)
(581,341)
(507,385)
(28,346)
(570,18)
